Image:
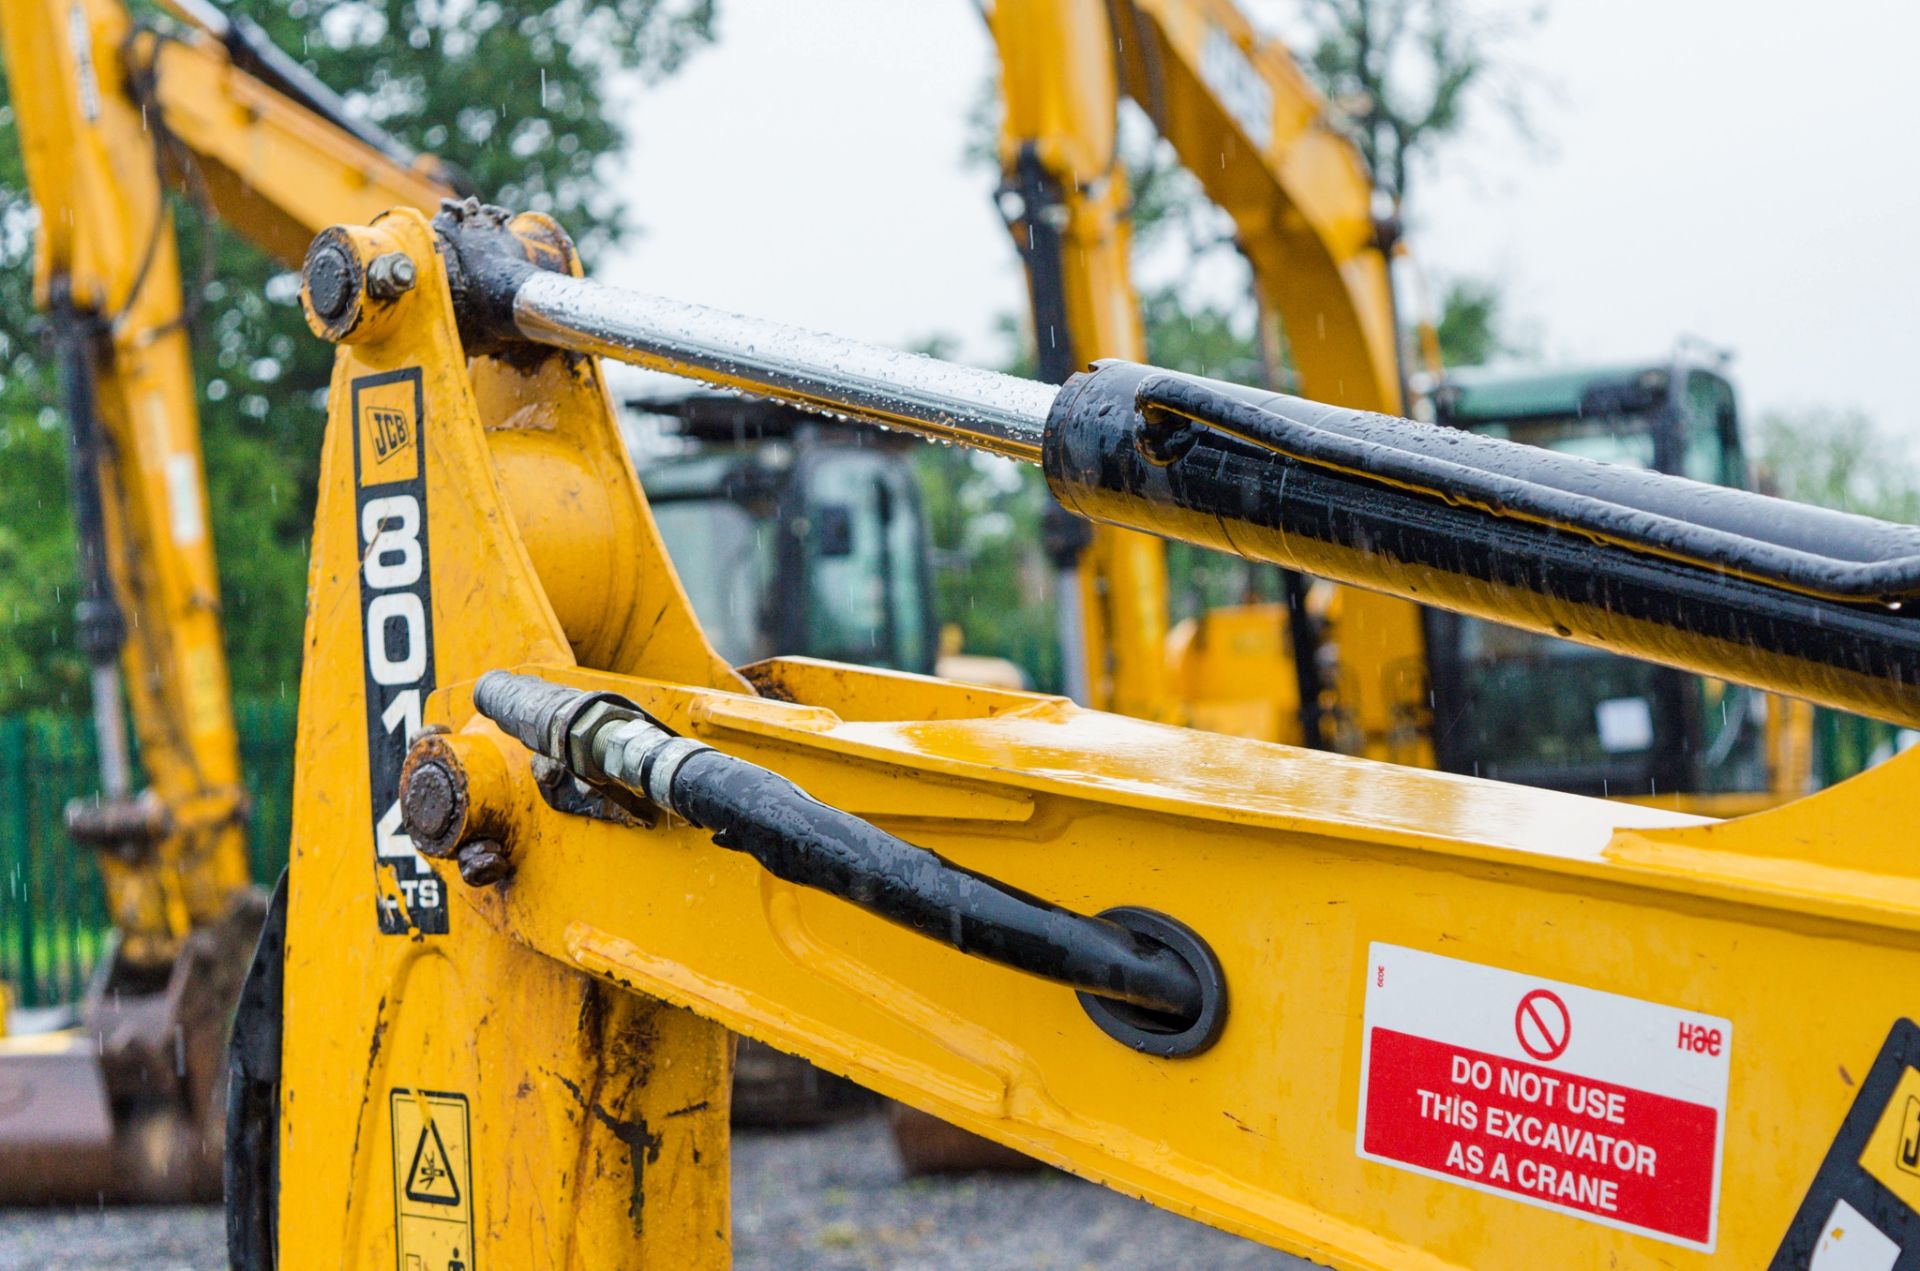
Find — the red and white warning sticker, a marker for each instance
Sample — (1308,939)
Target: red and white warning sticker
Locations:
(1605,1107)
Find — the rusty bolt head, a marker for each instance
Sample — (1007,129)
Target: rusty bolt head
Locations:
(484,862)
(390,276)
(430,801)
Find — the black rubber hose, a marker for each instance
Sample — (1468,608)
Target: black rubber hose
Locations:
(99,623)
(803,841)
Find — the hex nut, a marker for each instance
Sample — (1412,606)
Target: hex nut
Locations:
(484,862)
(391,276)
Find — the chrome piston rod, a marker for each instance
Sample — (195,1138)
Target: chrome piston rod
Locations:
(983,409)
(1725,583)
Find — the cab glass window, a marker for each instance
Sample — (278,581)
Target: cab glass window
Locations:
(865,574)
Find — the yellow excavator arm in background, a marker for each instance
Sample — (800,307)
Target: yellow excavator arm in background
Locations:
(108,110)
(1241,116)
(104,107)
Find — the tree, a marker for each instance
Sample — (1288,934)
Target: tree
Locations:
(1838,459)
(1469,325)
(1408,74)
(514,93)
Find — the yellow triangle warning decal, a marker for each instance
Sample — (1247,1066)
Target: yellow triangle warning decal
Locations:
(432,1147)
(430,1180)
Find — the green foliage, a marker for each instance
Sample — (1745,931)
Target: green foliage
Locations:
(1199,338)
(990,577)
(38,570)
(1469,327)
(1409,73)
(515,94)
(1838,459)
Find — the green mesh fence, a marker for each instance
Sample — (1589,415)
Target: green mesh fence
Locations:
(53,921)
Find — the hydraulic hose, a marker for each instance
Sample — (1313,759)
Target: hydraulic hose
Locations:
(803,841)
(100,625)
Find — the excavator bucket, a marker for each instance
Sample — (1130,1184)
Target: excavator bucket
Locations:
(56,1124)
(128,1105)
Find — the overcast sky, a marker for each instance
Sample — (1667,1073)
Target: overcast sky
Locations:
(1737,170)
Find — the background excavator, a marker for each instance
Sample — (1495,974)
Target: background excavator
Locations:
(1337,668)
(1241,116)
(112,111)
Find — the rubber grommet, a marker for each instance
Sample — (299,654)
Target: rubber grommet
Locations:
(1150,1032)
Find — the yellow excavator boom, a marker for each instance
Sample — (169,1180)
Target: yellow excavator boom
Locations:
(1376,1016)
(104,108)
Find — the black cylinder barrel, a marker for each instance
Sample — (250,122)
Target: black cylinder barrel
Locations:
(1716,581)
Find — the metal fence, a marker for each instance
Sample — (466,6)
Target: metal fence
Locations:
(53,921)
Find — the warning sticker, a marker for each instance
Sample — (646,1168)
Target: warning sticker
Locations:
(1862,1211)
(432,1182)
(1604,1107)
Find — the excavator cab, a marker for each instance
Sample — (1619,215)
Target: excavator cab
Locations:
(1539,711)
(793,533)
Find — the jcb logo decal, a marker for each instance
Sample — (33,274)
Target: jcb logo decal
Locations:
(1907,1157)
(390,430)
(386,416)
(396,606)
(1862,1208)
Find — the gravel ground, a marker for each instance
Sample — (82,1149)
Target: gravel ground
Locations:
(825,1200)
